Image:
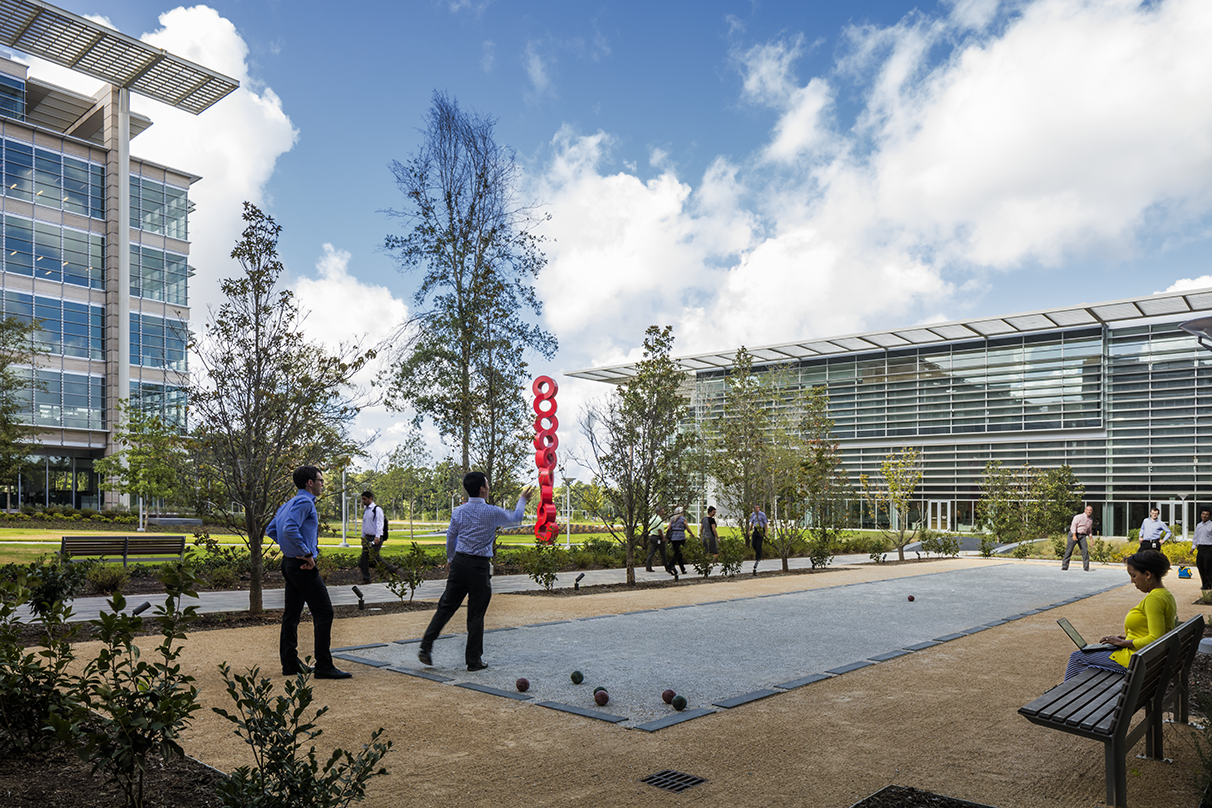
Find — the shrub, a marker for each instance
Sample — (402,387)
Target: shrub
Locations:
(409,572)
(940,543)
(819,552)
(1179,552)
(1059,544)
(542,563)
(142,706)
(108,579)
(55,579)
(1101,551)
(35,687)
(732,555)
(141,571)
(223,578)
(698,557)
(988,545)
(282,774)
(1023,549)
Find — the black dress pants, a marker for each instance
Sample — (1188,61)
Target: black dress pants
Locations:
(656,544)
(1203,563)
(305,586)
(470,577)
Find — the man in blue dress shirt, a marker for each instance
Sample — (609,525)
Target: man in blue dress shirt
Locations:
(296,529)
(469,540)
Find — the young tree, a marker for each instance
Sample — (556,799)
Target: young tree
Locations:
(146,462)
(740,441)
(19,352)
(634,442)
(900,474)
(462,361)
(826,485)
(266,400)
(1028,504)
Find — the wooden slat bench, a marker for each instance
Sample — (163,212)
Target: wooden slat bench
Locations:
(1102,704)
(125,547)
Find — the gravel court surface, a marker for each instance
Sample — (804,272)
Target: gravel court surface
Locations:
(718,651)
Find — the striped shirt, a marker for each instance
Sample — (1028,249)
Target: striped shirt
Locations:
(473,526)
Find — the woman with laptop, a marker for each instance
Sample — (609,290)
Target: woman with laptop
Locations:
(1154,616)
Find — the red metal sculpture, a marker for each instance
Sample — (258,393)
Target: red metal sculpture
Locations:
(546,528)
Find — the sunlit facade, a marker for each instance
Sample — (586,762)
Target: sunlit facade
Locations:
(1112,389)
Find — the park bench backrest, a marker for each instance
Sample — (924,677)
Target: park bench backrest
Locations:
(122,546)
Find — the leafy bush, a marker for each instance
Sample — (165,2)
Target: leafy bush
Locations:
(410,571)
(1023,549)
(108,579)
(35,688)
(55,579)
(542,562)
(732,555)
(988,545)
(1101,551)
(222,578)
(141,571)
(1179,552)
(698,557)
(1059,545)
(142,706)
(283,776)
(942,544)
(819,552)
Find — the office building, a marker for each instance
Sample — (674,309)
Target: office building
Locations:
(95,241)
(1116,390)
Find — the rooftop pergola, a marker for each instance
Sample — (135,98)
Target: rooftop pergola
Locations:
(1117,312)
(40,29)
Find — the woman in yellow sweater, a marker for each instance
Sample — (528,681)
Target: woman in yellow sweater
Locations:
(1154,616)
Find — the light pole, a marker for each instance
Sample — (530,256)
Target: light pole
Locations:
(568,481)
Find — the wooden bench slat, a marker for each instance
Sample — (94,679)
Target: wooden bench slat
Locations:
(1103,704)
(123,546)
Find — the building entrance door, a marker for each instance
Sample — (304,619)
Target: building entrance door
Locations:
(939,515)
(1174,514)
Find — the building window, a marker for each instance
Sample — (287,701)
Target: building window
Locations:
(53,253)
(156,342)
(12,97)
(53,179)
(159,275)
(65,401)
(68,328)
(163,400)
(156,207)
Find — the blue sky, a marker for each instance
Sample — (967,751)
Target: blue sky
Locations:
(749,172)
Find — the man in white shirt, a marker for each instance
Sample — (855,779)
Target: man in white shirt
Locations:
(1203,548)
(1153,531)
(373,522)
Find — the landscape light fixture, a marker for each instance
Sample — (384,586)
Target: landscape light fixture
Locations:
(576,585)
(361,603)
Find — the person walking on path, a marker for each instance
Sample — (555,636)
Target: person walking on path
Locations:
(1153,531)
(757,527)
(296,529)
(1203,548)
(709,534)
(1079,533)
(469,540)
(677,537)
(656,539)
(374,531)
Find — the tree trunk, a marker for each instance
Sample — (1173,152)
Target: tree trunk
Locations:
(631,560)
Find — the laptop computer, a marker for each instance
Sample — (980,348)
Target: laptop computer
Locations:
(1079,642)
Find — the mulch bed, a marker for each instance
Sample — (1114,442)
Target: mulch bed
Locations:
(902,797)
(59,779)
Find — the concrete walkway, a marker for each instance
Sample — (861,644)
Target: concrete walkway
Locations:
(237,601)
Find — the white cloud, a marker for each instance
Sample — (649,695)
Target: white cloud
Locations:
(233,146)
(1187,284)
(343,310)
(536,68)
(1054,130)
(489,58)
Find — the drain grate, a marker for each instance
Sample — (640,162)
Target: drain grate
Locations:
(669,780)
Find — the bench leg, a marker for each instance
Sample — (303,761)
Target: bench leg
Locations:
(1117,772)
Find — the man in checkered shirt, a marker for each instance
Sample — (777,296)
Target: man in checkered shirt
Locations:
(469,540)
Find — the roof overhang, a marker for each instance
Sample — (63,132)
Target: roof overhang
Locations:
(61,110)
(1115,312)
(40,29)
